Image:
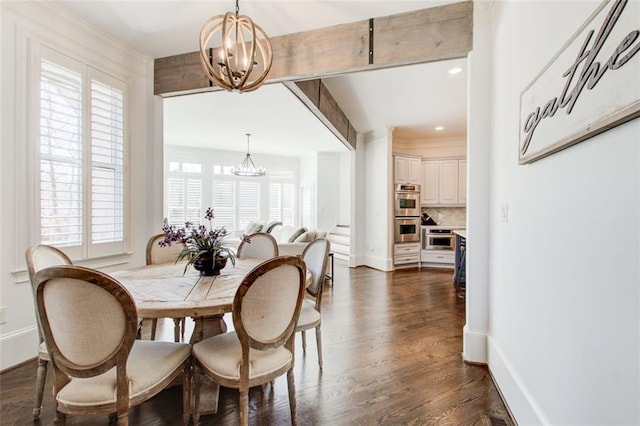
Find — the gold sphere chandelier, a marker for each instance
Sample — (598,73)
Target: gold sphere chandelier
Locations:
(241,62)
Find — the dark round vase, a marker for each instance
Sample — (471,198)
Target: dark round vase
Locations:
(207,266)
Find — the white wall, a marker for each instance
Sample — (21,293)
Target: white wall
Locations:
(22,23)
(328,194)
(329,174)
(378,182)
(344,188)
(564,341)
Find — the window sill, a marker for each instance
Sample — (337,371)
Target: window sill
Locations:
(100,262)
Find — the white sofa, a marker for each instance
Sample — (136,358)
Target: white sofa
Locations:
(292,240)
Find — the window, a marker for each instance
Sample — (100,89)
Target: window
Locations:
(185,197)
(282,196)
(224,205)
(248,202)
(80,146)
(281,203)
(235,203)
(198,178)
(184,193)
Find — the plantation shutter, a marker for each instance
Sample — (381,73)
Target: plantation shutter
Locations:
(185,201)
(275,201)
(281,203)
(60,155)
(248,203)
(306,207)
(193,191)
(288,204)
(107,163)
(224,204)
(176,202)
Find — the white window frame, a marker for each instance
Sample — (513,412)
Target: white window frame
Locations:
(222,162)
(86,249)
(188,210)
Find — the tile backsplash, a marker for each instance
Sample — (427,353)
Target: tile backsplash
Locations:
(449,216)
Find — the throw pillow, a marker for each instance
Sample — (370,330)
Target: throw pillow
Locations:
(296,234)
(306,237)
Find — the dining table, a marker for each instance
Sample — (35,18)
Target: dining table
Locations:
(169,290)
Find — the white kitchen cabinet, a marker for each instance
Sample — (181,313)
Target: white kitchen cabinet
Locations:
(407,170)
(448,182)
(404,253)
(444,182)
(430,182)
(438,258)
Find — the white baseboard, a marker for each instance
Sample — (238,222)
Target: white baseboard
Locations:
(384,264)
(519,400)
(474,346)
(18,347)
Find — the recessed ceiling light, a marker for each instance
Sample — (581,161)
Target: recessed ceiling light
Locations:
(439,128)
(455,70)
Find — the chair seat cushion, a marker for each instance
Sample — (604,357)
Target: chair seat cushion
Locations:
(222,355)
(149,363)
(309,317)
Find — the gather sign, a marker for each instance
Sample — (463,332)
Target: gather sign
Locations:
(590,86)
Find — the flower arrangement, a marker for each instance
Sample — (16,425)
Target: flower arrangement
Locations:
(204,248)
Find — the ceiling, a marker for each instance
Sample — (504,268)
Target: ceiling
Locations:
(415,99)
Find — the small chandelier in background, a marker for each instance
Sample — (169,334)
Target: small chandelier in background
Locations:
(247,167)
(244,57)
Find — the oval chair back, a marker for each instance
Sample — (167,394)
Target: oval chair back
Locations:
(39,257)
(260,246)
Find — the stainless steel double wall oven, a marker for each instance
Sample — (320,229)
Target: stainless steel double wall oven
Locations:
(407,213)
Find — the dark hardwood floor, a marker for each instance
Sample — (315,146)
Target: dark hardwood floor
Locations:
(392,345)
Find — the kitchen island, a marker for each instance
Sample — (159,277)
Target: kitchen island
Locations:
(459,274)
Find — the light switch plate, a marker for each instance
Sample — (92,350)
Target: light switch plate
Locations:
(504,212)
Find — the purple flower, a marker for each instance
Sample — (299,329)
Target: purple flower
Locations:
(198,241)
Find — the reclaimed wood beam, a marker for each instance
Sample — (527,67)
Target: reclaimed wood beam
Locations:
(438,33)
(317,98)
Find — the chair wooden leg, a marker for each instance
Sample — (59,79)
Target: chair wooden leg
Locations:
(183,324)
(186,393)
(154,326)
(40,379)
(61,419)
(304,342)
(176,329)
(196,381)
(243,408)
(292,395)
(319,345)
(123,419)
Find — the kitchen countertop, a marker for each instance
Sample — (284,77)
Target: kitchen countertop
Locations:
(461,232)
(452,227)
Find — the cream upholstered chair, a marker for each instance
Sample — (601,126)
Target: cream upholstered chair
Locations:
(39,257)
(89,322)
(315,257)
(260,246)
(265,310)
(157,255)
